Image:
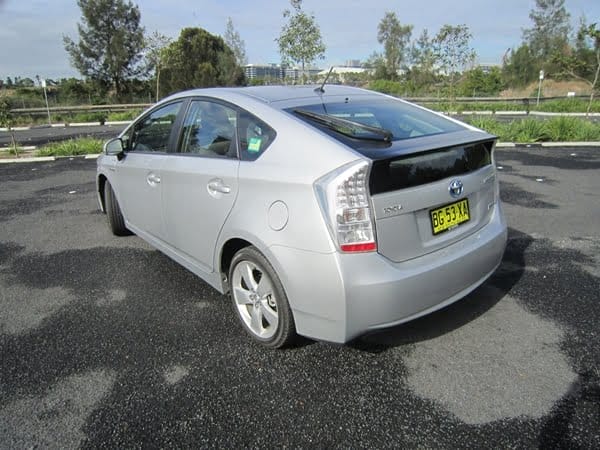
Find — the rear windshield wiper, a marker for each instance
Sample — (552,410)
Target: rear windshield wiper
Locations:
(348,127)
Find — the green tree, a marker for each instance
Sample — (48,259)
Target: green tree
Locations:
(395,38)
(300,39)
(199,59)
(583,62)
(521,67)
(422,55)
(236,43)
(376,65)
(550,31)
(155,55)
(7,120)
(453,51)
(477,83)
(110,44)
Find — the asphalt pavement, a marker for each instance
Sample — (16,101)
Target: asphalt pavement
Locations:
(105,342)
(41,135)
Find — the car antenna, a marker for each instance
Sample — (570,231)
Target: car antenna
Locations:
(320,89)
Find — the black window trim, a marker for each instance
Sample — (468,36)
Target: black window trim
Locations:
(179,138)
(238,110)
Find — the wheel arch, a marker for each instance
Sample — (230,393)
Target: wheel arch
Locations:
(228,251)
(102,179)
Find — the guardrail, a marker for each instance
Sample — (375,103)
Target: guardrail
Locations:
(525,101)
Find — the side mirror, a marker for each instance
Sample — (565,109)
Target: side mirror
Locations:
(114,147)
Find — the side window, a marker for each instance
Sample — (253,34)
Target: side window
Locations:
(209,130)
(153,132)
(255,136)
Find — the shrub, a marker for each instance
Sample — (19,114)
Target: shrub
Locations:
(526,130)
(123,115)
(72,147)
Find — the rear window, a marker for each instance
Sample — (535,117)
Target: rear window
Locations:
(401,120)
(417,169)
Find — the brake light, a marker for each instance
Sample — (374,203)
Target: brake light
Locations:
(344,199)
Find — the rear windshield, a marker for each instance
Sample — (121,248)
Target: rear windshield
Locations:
(401,120)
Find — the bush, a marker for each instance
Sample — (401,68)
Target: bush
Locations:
(527,130)
(387,87)
(72,147)
(556,129)
(123,115)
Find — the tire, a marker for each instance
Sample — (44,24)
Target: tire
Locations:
(113,211)
(259,300)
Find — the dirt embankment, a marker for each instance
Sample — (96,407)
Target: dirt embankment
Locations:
(550,88)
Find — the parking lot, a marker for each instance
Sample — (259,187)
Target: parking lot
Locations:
(105,342)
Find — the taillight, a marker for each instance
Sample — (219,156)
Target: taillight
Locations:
(344,199)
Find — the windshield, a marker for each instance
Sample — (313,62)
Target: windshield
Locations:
(393,118)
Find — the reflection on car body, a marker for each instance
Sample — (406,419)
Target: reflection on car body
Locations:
(325,213)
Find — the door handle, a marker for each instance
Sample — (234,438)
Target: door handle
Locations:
(153,179)
(217,185)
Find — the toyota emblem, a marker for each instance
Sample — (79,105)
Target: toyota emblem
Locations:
(455,188)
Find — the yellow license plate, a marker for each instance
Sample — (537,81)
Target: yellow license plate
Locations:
(449,216)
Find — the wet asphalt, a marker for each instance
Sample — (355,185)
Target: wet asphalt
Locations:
(105,342)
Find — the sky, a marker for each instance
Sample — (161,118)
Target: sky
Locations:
(31,31)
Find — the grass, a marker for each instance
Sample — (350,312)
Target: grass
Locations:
(571,105)
(555,129)
(72,147)
(123,115)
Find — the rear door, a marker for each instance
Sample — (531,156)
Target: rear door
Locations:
(200,181)
(139,173)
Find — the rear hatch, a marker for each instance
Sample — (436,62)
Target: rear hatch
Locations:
(430,192)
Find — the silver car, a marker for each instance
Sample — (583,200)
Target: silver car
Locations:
(324,212)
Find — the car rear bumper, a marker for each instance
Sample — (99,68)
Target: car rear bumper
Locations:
(341,296)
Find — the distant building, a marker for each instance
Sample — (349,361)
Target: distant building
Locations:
(353,63)
(343,72)
(295,73)
(277,72)
(274,71)
(487,67)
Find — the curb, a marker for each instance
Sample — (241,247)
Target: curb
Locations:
(28,160)
(546,144)
(46,158)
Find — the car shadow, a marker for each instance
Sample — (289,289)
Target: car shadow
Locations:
(460,313)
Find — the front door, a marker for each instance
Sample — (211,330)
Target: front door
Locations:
(140,172)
